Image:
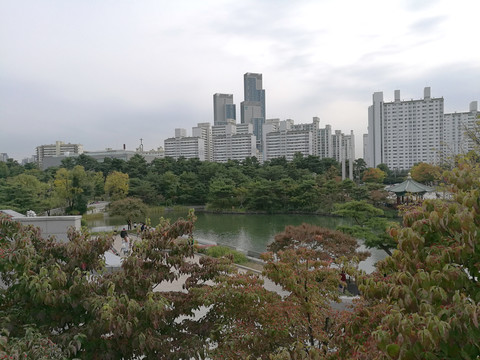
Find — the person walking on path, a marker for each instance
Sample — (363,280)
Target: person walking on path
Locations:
(125,243)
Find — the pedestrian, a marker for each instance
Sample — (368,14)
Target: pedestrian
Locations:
(343,278)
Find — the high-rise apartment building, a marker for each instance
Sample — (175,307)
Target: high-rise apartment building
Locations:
(457,126)
(204,131)
(57,149)
(185,146)
(233,142)
(253,106)
(284,138)
(403,133)
(324,148)
(223,109)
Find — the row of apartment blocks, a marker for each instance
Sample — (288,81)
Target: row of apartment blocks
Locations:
(232,141)
(52,154)
(402,133)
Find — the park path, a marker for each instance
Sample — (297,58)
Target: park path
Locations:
(177,285)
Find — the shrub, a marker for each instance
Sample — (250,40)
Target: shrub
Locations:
(220,251)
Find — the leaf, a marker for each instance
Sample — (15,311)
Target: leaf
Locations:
(393,350)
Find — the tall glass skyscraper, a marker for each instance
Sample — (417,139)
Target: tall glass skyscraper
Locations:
(223,109)
(253,107)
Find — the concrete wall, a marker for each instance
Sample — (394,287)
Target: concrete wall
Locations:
(52,225)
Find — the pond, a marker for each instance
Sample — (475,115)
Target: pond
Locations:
(247,232)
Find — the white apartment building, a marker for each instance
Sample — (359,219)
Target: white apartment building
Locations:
(234,142)
(281,138)
(403,133)
(57,149)
(204,131)
(284,138)
(319,142)
(185,146)
(456,128)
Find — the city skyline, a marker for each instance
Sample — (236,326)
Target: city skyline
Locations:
(105,75)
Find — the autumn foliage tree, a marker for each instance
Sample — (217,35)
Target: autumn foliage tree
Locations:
(298,322)
(430,283)
(374,175)
(426,173)
(328,244)
(61,292)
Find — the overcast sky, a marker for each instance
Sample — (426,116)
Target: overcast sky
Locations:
(104,73)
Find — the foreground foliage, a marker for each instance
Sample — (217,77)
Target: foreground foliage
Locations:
(63,291)
(422,303)
(431,283)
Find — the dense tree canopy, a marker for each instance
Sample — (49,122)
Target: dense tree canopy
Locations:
(305,184)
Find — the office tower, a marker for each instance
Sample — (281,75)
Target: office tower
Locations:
(57,149)
(223,109)
(253,106)
(403,133)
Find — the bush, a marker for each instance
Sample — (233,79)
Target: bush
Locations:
(220,251)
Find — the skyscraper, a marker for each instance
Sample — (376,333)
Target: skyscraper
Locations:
(223,109)
(253,106)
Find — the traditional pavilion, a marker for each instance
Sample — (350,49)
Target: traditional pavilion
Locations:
(410,187)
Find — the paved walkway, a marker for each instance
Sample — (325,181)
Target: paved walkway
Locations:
(177,285)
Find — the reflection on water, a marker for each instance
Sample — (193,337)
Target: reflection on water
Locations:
(247,232)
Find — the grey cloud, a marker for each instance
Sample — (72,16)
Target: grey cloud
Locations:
(427,25)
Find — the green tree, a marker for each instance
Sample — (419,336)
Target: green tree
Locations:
(88,162)
(22,193)
(191,191)
(370,225)
(136,166)
(14,168)
(116,185)
(221,194)
(359,167)
(167,185)
(131,209)
(144,190)
(73,188)
(4,171)
(97,181)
